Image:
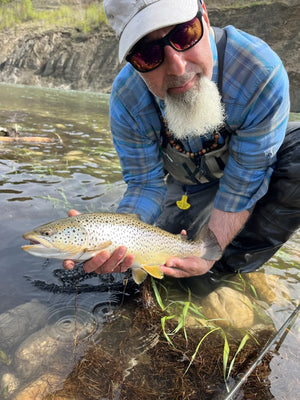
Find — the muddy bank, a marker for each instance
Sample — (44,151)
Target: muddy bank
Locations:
(72,59)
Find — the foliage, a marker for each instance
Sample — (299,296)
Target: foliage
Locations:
(179,311)
(83,18)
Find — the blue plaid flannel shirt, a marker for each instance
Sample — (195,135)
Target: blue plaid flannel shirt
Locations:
(256,99)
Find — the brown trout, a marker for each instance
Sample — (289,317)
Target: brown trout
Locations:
(82,236)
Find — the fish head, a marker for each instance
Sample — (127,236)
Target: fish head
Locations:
(62,239)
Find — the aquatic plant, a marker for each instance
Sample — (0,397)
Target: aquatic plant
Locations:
(58,202)
(180,312)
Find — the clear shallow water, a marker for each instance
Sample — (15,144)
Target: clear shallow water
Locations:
(41,182)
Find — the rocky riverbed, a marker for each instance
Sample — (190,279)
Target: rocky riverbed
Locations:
(72,59)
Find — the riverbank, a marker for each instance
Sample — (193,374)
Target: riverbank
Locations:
(72,57)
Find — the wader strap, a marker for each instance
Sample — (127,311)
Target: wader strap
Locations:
(220,39)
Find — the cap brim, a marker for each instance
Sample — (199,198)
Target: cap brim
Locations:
(155,16)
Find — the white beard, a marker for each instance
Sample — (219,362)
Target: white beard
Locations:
(195,112)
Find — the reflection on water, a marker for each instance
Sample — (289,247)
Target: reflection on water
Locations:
(41,182)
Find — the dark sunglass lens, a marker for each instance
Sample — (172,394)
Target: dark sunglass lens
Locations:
(187,35)
(147,58)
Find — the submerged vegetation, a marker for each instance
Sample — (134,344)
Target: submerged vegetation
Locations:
(186,314)
(84,17)
(149,351)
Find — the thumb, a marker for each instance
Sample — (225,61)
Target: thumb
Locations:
(73,212)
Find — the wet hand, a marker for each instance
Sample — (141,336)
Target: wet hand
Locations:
(186,267)
(104,262)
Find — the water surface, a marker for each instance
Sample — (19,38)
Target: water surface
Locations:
(41,182)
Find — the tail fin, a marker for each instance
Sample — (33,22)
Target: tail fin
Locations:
(211,247)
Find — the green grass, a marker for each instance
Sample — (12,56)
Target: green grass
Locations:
(178,311)
(23,12)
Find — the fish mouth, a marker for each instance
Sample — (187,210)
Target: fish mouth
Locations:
(41,248)
(35,242)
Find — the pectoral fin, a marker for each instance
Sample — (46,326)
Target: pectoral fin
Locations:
(98,248)
(102,246)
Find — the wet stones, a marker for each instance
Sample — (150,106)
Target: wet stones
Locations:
(229,308)
(9,383)
(19,322)
(40,388)
(269,288)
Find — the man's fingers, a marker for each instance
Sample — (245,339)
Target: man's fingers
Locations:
(105,263)
(186,267)
(73,212)
(68,264)
(174,272)
(99,260)
(126,263)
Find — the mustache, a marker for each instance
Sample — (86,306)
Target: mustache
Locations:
(175,81)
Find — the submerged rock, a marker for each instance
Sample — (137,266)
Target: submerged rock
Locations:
(269,288)
(9,384)
(20,322)
(229,308)
(38,389)
(38,350)
(47,347)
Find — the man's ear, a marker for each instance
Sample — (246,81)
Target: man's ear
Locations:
(205,15)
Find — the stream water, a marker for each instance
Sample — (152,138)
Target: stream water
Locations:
(40,182)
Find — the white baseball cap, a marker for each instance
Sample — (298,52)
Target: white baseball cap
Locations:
(134,19)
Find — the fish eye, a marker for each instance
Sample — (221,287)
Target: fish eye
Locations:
(46,232)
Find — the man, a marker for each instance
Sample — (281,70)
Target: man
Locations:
(215,119)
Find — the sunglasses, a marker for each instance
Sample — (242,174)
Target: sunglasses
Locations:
(145,57)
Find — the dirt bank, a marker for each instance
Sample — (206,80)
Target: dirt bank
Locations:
(72,59)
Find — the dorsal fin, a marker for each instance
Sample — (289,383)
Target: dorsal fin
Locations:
(134,216)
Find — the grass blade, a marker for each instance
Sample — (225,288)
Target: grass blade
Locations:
(198,347)
(157,295)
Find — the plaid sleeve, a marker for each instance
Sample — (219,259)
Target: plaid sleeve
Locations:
(134,130)
(256,96)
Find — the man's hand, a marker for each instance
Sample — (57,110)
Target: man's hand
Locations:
(103,262)
(186,267)
(225,226)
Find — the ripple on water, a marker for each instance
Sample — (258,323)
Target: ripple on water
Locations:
(65,323)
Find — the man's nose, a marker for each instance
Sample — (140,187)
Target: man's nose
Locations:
(175,61)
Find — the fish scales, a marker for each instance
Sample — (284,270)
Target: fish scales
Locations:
(82,236)
(148,243)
